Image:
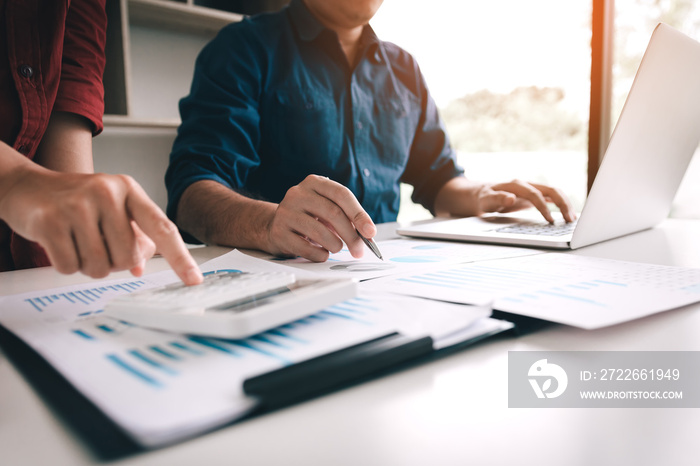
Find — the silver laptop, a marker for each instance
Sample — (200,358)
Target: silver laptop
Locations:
(649,152)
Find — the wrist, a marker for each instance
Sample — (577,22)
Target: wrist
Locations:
(248,224)
(459,197)
(264,228)
(14,171)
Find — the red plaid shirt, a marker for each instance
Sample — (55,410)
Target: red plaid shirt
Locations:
(51,59)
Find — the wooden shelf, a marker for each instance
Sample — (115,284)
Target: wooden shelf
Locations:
(181,16)
(125,121)
(185,22)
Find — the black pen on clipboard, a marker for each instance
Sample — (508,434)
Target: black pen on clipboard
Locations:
(371,244)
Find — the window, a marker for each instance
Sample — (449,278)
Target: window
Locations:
(512,81)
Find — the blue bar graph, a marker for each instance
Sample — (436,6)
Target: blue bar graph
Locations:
(479,277)
(186,348)
(162,352)
(83,334)
(348,308)
(211,343)
(591,292)
(362,302)
(152,363)
(280,333)
(344,316)
(131,370)
(692,288)
(246,344)
(263,338)
(85,297)
(36,304)
(579,287)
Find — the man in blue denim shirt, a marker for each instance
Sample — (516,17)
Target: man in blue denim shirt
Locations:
(298,129)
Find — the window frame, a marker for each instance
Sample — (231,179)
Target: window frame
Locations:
(599,127)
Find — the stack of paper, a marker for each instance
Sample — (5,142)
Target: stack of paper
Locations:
(162,387)
(575,290)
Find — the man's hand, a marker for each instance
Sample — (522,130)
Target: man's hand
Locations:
(460,197)
(518,195)
(315,218)
(93,223)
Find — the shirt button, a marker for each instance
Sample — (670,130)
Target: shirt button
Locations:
(366,172)
(26,71)
(377,57)
(308,106)
(359,125)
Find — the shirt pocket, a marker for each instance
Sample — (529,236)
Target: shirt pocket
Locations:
(305,128)
(395,122)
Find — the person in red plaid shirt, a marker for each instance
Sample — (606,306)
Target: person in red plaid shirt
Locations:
(53,209)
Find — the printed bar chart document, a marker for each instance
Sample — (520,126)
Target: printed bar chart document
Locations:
(161,387)
(570,289)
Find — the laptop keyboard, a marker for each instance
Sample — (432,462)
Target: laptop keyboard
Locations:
(541,229)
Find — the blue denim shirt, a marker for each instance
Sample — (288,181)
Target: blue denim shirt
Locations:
(274,99)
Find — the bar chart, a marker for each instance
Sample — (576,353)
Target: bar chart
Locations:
(86,296)
(156,360)
(575,290)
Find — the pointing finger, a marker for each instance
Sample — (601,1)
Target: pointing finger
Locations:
(164,234)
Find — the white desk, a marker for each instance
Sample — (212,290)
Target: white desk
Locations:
(449,412)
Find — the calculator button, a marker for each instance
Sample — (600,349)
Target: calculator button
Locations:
(216,290)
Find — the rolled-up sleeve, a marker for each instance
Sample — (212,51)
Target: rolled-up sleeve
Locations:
(432,161)
(81,90)
(220,132)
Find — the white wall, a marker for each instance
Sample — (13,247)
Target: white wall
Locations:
(141,153)
(162,63)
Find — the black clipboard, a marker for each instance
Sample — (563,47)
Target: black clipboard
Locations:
(275,390)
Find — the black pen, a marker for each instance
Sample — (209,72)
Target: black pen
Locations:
(370,244)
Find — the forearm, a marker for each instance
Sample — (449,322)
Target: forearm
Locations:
(459,197)
(66,145)
(215,214)
(13,167)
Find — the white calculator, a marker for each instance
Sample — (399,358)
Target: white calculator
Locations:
(231,304)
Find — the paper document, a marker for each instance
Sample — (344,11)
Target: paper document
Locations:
(570,289)
(161,387)
(402,255)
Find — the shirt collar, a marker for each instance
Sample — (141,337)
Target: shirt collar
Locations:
(369,38)
(309,27)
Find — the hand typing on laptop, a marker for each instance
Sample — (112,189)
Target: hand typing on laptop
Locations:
(461,197)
